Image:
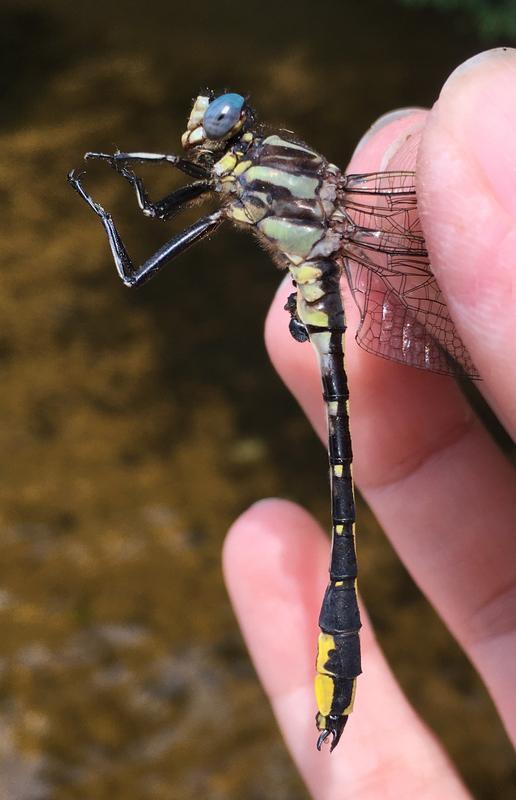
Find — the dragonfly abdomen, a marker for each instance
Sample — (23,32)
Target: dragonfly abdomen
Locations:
(338,655)
(287,192)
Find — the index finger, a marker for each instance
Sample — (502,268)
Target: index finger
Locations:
(467,201)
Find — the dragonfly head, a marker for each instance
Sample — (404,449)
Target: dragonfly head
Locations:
(214,121)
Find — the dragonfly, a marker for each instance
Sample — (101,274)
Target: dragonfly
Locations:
(321,225)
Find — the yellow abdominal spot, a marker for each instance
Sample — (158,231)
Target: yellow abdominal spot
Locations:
(325,644)
(311,291)
(324,690)
(312,316)
(306,273)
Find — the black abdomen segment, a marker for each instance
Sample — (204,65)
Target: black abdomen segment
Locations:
(338,657)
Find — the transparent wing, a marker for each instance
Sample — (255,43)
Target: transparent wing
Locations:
(403,314)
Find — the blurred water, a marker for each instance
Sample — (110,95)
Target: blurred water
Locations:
(131,429)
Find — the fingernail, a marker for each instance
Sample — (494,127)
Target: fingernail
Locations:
(383,121)
(483,59)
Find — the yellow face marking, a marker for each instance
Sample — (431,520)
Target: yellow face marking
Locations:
(193,137)
(324,690)
(197,113)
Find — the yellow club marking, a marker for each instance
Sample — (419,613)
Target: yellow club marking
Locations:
(324,691)
(338,469)
(325,644)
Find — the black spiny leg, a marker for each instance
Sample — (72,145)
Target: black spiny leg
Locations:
(172,203)
(135,276)
(169,205)
(118,159)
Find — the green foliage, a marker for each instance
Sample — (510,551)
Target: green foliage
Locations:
(493,19)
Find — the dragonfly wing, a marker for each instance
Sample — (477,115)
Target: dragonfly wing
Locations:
(403,314)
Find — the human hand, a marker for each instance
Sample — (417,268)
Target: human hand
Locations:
(441,489)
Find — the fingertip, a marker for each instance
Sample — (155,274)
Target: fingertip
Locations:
(477,108)
(390,143)
(467,200)
(275,567)
(265,534)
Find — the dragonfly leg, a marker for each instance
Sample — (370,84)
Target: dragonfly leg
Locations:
(118,160)
(135,276)
(169,205)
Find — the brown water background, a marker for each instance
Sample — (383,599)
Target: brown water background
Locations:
(135,426)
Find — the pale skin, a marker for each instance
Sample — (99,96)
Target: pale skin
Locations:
(423,461)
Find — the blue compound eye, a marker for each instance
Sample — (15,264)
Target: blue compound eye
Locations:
(222,115)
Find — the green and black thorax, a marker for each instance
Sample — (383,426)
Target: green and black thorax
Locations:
(287,194)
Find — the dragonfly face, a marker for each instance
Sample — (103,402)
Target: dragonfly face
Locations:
(321,225)
(214,121)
